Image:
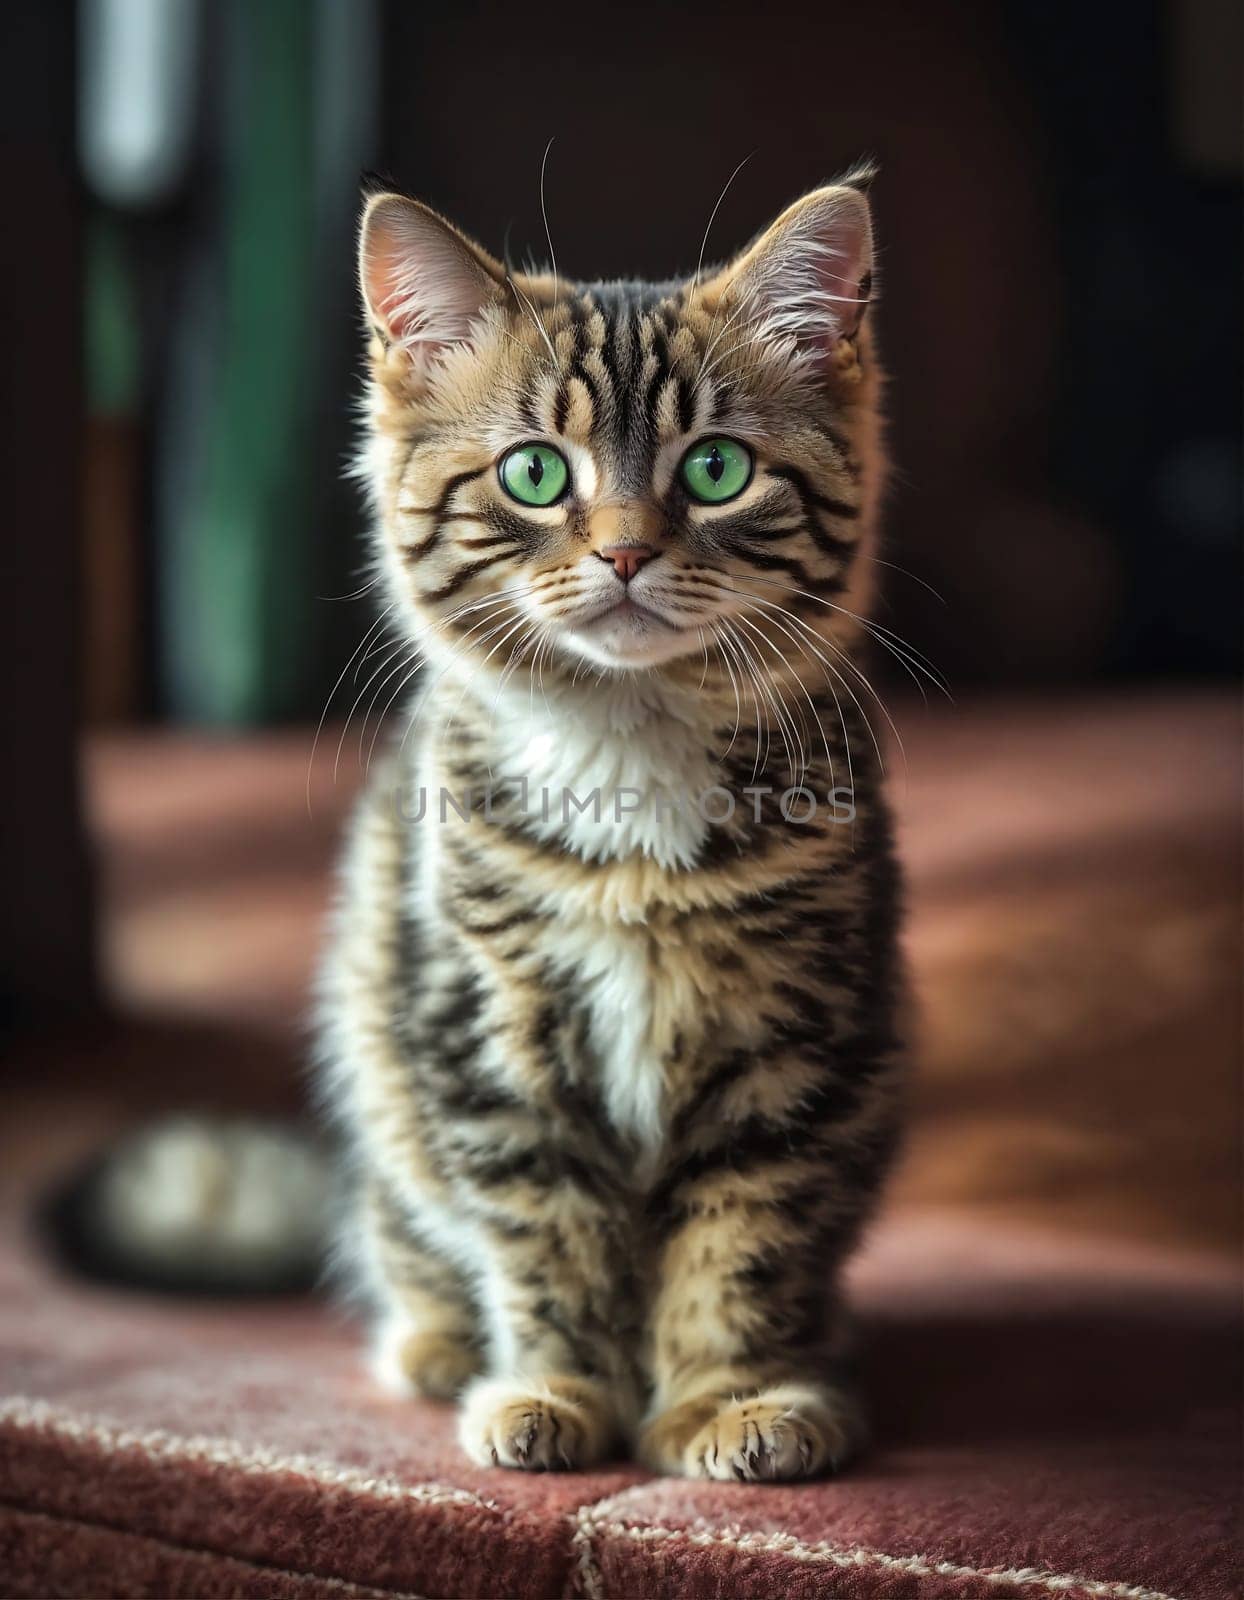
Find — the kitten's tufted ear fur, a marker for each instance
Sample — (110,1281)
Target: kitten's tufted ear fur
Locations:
(424,284)
(808,277)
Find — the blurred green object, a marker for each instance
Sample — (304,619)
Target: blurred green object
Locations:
(238,627)
(113,360)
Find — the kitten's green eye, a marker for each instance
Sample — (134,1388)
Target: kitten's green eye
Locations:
(716,469)
(534,475)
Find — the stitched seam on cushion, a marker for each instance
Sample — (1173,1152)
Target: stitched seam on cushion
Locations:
(358,1590)
(25,1414)
(38,1416)
(585,1525)
(590,1581)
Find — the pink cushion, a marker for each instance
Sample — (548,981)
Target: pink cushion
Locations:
(1051,1421)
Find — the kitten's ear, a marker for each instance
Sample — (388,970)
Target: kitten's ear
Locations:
(809,276)
(423,282)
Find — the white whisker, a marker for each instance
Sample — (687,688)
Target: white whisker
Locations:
(794,637)
(795,739)
(699,266)
(376,627)
(905,653)
(544,212)
(738,704)
(746,664)
(392,651)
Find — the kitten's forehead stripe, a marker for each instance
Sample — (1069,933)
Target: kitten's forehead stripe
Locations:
(628,379)
(581,410)
(686,406)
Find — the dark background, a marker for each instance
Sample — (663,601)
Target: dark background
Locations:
(1058,215)
(1059,222)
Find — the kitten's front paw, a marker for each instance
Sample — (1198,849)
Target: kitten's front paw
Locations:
(555,1424)
(788,1431)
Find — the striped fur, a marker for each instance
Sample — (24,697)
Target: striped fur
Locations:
(619,1089)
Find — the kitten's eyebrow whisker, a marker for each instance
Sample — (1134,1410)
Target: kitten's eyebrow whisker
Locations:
(695,283)
(699,266)
(536,321)
(544,212)
(756,323)
(711,342)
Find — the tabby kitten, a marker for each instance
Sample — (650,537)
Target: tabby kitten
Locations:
(609,1014)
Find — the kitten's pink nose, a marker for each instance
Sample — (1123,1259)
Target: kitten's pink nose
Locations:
(627,558)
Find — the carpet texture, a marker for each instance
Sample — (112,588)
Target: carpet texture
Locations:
(1050,1304)
(1050,1421)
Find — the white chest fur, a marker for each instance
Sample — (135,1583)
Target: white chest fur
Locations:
(629,1012)
(636,746)
(613,769)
